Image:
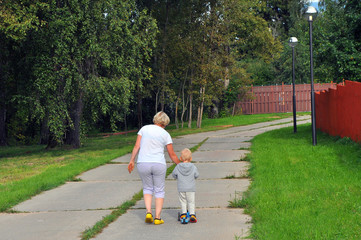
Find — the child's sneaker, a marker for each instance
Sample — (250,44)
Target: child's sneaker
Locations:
(193,219)
(149,218)
(158,221)
(183,218)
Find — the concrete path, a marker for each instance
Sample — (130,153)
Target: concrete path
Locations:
(65,212)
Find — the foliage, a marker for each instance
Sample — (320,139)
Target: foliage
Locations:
(281,15)
(261,72)
(336,45)
(71,67)
(302,59)
(237,89)
(18,17)
(199,44)
(82,63)
(338,41)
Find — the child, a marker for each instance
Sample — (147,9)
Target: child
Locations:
(186,173)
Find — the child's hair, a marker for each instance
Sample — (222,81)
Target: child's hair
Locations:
(186,154)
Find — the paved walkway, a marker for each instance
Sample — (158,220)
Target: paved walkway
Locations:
(65,212)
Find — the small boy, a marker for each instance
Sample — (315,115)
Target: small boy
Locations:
(186,173)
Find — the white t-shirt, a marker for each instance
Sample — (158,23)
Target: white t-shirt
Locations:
(154,139)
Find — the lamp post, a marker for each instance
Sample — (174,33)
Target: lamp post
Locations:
(311,14)
(292,43)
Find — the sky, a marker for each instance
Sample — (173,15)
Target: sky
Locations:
(314,3)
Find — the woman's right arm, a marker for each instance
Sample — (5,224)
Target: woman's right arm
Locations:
(134,154)
(172,154)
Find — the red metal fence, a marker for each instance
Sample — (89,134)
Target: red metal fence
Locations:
(338,111)
(278,98)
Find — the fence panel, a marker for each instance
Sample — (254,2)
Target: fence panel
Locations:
(338,111)
(278,98)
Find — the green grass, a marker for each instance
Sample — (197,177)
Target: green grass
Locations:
(28,170)
(237,201)
(300,191)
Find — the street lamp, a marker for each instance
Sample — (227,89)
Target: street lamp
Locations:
(292,43)
(311,14)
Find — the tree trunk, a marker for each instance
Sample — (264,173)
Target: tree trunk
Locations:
(184,105)
(156,101)
(125,124)
(52,143)
(2,110)
(190,110)
(176,114)
(73,137)
(139,111)
(190,101)
(162,102)
(201,116)
(200,107)
(44,131)
(3,125)
(198,116)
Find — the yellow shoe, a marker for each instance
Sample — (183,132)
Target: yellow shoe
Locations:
(158,221)
(149,218)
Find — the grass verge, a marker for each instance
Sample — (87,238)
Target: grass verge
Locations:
(300,191)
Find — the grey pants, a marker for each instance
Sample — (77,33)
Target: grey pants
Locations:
(187,201)
(153,178)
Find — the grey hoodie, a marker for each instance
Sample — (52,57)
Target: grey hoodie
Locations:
(186,173)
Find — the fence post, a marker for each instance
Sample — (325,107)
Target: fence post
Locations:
(252,102)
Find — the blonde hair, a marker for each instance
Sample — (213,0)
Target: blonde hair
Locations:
(186,155)
(161,118)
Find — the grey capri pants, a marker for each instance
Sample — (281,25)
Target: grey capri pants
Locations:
(153,178)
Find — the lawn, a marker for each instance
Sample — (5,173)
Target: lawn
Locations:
(28,170)
(301,191)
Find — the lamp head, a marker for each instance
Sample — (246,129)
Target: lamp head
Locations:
(311,13)
(292,42)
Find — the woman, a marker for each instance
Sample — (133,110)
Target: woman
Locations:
(151,163)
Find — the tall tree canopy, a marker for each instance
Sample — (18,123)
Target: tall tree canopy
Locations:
(68,67)
(338,41)
(198,43)
(82,62)
(17,18)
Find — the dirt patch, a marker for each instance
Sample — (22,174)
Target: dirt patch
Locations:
(223,126)
(117,133)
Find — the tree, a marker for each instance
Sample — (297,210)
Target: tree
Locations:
(198,43)
(337,41)
(281,15)
(237,89)
(90,53)
(17,18)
